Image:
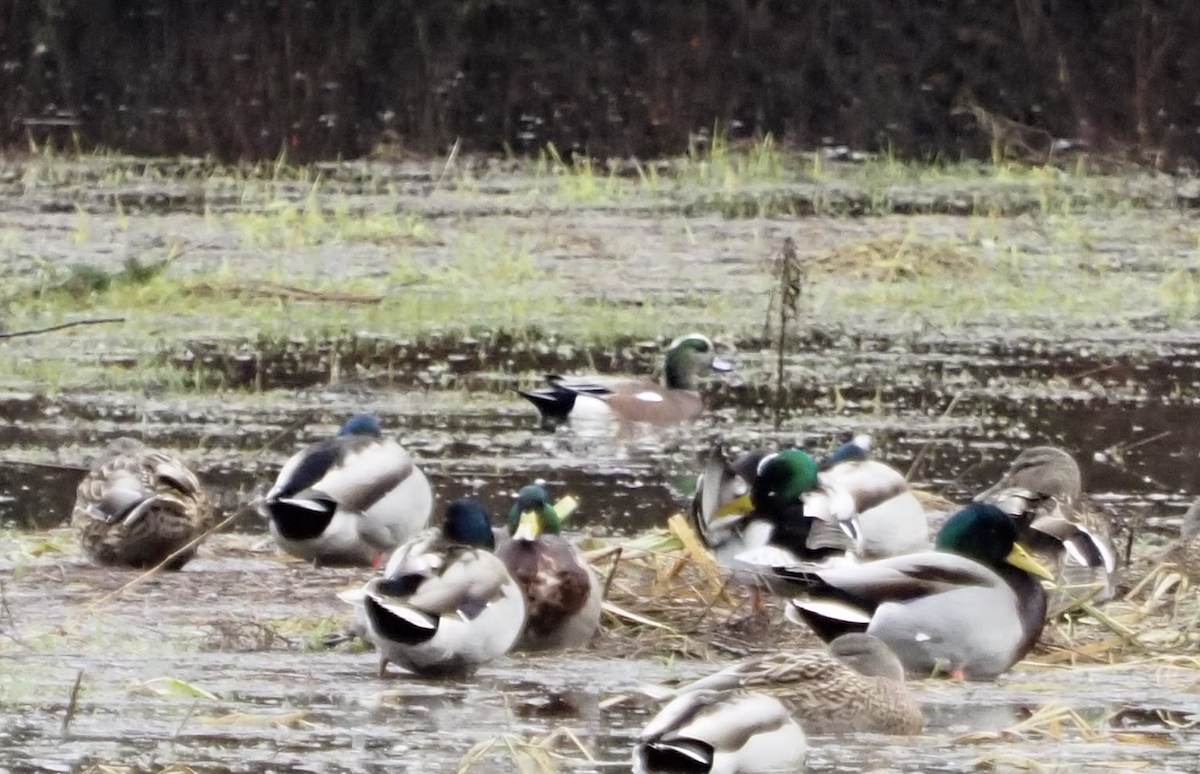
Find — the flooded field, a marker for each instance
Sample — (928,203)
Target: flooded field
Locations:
(1043,323)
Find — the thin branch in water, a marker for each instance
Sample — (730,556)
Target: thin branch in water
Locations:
(72,705)
(916,463)
(61,326)
(790,274)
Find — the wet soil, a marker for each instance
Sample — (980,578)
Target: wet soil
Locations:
(224,667)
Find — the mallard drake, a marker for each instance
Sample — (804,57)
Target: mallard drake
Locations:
(137,506)
(858,685)
(1186,550)
(784,508)
(1043,490)
(630,399)
(871,496)
(563,596)
(721,732)
(348,500)
(445,604)
(971,607)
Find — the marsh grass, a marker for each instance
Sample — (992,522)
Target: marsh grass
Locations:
(436,272)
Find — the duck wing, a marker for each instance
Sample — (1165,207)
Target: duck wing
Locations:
(353,472)
(465,584)
(895,579)
(598,386)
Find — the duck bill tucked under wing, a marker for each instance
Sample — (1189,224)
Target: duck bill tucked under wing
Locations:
(1023,560)
(123,499)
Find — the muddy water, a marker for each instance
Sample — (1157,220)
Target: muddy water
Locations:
(224,667)
(243,629)
(247,629)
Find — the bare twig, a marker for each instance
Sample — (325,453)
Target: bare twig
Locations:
(61,326)
(449,163)
(789,273)
(72,704)
(612,572)
(186,717)
(916,463)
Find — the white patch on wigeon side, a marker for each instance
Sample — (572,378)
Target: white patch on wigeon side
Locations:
(592,417)
(649,397)
(590,408)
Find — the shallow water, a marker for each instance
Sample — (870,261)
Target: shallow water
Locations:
(208,626)
(247,628)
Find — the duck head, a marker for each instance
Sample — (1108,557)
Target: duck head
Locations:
(781,479)
(361,424)
(986,534)
(689,355)
(467,523)
(532,515)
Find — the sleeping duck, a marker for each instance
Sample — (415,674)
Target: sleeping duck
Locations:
(715,731)
(348,500)
(624,399)
(1043,491)
(137,506)
(445,604)
(856,686)
(562,593)
(971,608)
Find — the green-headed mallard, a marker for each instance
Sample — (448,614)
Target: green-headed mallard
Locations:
(593,399)
(1043,490)
(970,608)
(858,685)
(137,506)
(721,732)
(445,604)
(348,500)
(783,508)
(562,593)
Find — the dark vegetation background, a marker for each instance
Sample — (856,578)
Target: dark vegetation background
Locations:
(243,79)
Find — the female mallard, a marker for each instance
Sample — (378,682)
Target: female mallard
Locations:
(562,593)
(970,607)
(857,686)
(776,509)
(626,399)
(445,604)
(721,732)
(348,500)
(1186,550)
(1043,485)
(136,507)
